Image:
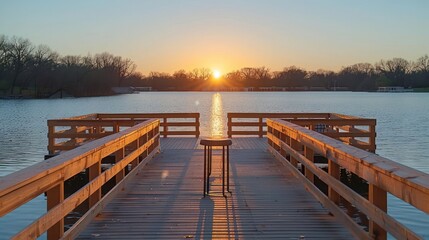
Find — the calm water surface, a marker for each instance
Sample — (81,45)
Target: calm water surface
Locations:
(402,128)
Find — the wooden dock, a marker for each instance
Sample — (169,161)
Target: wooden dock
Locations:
(158,179)
(165,200)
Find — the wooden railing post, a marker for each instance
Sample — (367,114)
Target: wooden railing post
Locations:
(55,196)
(229,126)
(309,154)
(116,127)
(74,139)
(283,138)
(135,162)
(260,127)
(51,140)
(165,127)
(93,172)
(119,155)
(378,197)
(372,138)
(295,146)
(334,171)
(197,126)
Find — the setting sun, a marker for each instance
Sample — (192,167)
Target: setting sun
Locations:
(216,74)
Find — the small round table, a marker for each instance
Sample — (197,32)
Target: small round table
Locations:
(208,144)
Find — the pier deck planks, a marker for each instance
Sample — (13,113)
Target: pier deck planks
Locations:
(165,200)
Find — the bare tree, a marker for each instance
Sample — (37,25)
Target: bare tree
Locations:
(20,53)
(262,73)
(422,64)
(71,61)
(125,68)
(394,69)
(200,74)
(291,77)
(248,73)
(4,48)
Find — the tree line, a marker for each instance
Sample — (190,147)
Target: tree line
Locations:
(357,77)
(39,71)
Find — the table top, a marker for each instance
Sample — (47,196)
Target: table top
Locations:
(216,141)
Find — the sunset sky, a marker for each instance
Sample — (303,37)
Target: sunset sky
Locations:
(165,36)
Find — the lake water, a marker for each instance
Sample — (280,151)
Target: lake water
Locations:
(402,129)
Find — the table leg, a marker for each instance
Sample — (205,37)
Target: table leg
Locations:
(204,187)
(227,169)
(210,161)
(209,153)
(223,171)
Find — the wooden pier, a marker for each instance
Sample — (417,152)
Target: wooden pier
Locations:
(159,183)
(165,200)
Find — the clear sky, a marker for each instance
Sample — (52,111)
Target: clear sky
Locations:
(162,35)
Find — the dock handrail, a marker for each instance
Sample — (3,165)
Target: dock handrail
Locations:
(68,133)
(132,148)
(293,144)
(355,131)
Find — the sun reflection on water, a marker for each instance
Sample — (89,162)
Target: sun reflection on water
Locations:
(216,116)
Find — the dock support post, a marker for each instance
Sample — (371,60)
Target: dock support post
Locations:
(197,126)
(51,140)
(229,126)
(119,155)
(135,162)
(55,196)
(378,197)
(296,146)
(93,172)
(309,154)
(372,138)
(165,127)
(261,127)
(334,171)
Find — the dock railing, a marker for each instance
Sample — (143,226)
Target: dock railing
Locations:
(358,132)
(293,144)
(68,133)
(132,147)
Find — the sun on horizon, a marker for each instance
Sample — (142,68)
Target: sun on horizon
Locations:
(216,74)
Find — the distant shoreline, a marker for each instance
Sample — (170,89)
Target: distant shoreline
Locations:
(23,97)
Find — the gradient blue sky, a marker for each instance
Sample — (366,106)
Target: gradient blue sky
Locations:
(162,35)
